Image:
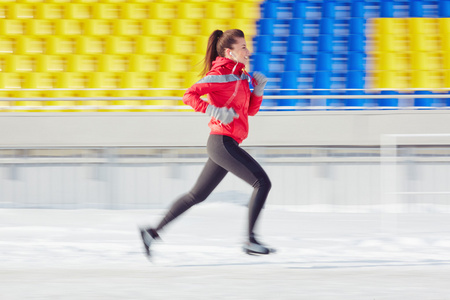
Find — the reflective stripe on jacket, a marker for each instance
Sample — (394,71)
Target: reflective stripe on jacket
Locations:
(225,88)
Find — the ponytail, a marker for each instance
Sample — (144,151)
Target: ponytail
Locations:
(211,51)
(217,43)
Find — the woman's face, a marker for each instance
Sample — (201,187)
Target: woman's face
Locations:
(239,52)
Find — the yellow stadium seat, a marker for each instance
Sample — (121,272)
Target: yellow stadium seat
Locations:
(70,27)
(174,63)
(391,42)
(246,10)
(11,80)
(197,61)
(425,79)
(397,80)
(248,26)
(181,44)
(144,63)
(7,45)
(99,27)
(150,44)
(61,45)
(78,11)
(83,63)
(192,10)
(209,25)
(41,27)
(106,11)
(52,63)
(3,62)
(424,42)
(190,78)
(114,63)
(446,61)
(134,11)
(391,61)
(186,27)
(21,11)
(423,26)
(40,80)
(128,27)
(4,7)
(91,45)
(163,10)
(50,11)
(394,26)
(12,27)
(104,80)
(21,63)
(426,60)
(220,10)
(120,45)
(73,80)
(27,44)
(157,27)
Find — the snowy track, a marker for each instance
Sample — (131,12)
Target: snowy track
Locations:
(96,254)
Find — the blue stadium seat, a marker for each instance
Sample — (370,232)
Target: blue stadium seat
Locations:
(295,43)
(444,8)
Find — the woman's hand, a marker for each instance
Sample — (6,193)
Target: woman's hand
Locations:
(262,81)
(223,114)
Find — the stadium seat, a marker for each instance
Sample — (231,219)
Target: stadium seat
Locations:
(12,27)
(60,45)
(120,45)
(99,27)
(191,10)
(40,27)
(90,44)
(219,10)
(47,11)
(27,44)
(186,27)
(135,11)
(162,10)
(20,63)
(144,63)
(80,11)
(157,27)
(108,11)
(53,63)
(128,27)
(150,44)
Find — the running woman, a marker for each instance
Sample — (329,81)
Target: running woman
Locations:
(230,102)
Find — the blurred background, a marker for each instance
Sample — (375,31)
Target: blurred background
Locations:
(355,113)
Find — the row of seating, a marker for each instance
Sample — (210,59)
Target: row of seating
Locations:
(110,44)
(126,10)
(101,63)
(127,27)
(101,80)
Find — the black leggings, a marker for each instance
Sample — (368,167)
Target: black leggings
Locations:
(225,156)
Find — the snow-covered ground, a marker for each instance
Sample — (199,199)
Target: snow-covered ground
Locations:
(96,254)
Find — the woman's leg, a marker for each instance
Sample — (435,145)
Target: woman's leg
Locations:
(225,152)
(208,180)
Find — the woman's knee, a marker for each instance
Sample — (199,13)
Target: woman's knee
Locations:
(263,182)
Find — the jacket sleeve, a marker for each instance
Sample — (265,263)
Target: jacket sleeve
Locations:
(255,104)
(192,95)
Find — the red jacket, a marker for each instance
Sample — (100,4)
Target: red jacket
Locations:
(226,88)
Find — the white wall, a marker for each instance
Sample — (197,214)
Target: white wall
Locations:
(190,128)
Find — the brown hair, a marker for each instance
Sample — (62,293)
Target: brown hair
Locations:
(217,43)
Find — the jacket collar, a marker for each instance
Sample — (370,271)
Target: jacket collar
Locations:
(227,63)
